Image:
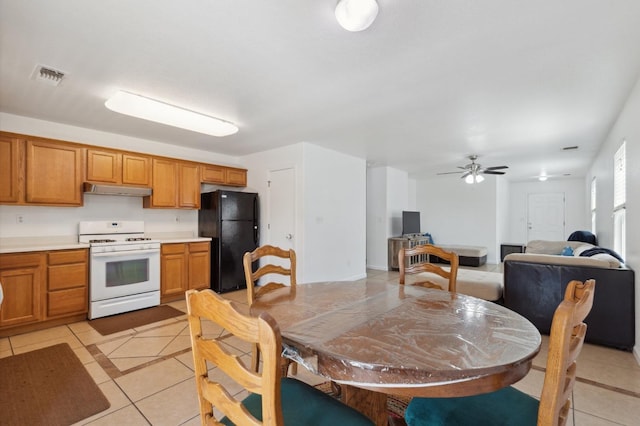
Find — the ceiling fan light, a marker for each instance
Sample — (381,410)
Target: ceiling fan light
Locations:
(479,178)
(356,15)
(161,112)
(469,179)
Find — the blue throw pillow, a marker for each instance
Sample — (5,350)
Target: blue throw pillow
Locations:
(429,238)
(567,251)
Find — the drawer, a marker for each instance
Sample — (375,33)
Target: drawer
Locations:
(67,276)
(199,247)
(62,257)
(20,260)
(66,302)
(174,248)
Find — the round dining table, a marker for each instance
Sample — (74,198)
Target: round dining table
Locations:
(376,338)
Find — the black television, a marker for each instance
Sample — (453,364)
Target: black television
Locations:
(410,222)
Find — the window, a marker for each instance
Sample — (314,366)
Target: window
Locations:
(593,206)
(619,200)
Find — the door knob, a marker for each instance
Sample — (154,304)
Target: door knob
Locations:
(288,236)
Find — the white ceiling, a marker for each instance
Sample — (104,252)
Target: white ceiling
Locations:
(430,82)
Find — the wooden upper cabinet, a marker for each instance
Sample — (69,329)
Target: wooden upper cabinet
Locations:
(11,170)
(118,168)
(189,185)
(103,166)
(236,177)
(54,173)
(165,184)
(136,169)
(223,175)
(176,184)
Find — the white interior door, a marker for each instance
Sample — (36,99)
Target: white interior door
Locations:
(281,226)
(545,219)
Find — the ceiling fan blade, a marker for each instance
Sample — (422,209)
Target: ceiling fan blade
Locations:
(448,173)
(492,172)
(465,174)
(496,168)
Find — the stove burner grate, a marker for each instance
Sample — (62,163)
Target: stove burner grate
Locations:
(102,241)
(138,239)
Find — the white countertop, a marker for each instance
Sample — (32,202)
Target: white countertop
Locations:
(27,244)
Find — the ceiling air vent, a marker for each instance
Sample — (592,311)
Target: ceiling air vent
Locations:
(570,148)
(47,75)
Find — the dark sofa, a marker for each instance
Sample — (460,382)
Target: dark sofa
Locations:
(534,288)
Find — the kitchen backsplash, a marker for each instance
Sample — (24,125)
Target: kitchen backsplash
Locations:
(34,221)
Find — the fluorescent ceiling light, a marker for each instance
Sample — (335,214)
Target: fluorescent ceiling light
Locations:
(356,15)
(160,112)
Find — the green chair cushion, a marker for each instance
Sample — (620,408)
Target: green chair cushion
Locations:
(303,404)
(507,406)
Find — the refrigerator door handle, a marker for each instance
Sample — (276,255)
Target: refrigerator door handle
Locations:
(256,230)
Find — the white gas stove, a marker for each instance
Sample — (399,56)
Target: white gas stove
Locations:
(125,267)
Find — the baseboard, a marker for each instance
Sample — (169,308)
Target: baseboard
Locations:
(378,267)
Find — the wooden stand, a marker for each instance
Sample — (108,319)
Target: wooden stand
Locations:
(396,243)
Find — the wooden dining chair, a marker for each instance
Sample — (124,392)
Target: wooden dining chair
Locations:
(254,291)
(509,406)
(415,260)
(272,400)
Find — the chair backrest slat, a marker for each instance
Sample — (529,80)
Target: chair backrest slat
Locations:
(252,278)
(565,343)
(415,260)
(263,331)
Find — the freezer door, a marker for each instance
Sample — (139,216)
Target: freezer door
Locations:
(238,205)
(237,238)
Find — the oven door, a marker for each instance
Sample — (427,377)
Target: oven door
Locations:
(116,274)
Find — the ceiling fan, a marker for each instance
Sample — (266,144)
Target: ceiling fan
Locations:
(472,172)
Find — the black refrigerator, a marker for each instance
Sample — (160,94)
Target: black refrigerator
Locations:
(230,219)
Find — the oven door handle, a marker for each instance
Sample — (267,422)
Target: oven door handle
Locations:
(125,253)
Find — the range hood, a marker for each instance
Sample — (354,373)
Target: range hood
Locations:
(129,191)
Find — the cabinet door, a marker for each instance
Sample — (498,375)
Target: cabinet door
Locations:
(199,265)
(173,275)
(136,169)
(54,173)
(103,166)
(22,296)
(213,174)
(236,177)
(165,184)
(11,170)
(189,189)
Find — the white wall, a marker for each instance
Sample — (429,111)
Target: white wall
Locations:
(457,213)
(334,215)
(626,128)
(389,192)
(330,203)
(502,214)
(576,207)
(378,229)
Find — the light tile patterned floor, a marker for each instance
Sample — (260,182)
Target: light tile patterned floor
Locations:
(147,373)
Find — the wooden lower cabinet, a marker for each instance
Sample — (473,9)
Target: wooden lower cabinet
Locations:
(199,265)
(43,286)
(23,283)
(184,266)
(67,282)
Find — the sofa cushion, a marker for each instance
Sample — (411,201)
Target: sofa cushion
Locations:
(481,284)
(552,247)
(561,260)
